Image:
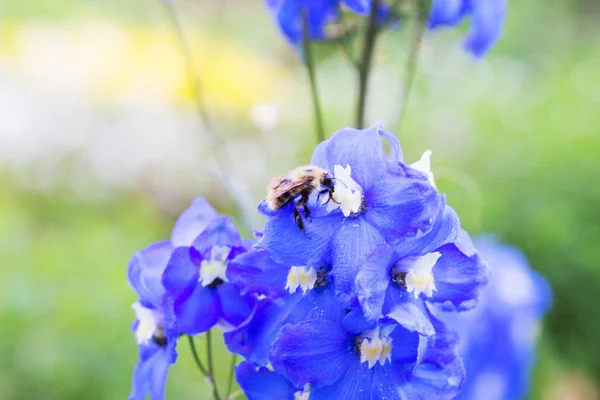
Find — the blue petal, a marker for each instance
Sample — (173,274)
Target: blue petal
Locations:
(145,270)
(181,275)
(458,276)
(318,303)
(287,244)
(254,338)
(362,7)
(372,281)
(444,230)
(409,312)
(486,26)
(400,206)
(406,346)
(316,352)
(150,373)
(235,308)
(192,222)
(197,313)
(385,384)
(255,272)
(446,13)
(262,383)
(288,14)
(361,149)
(221,231)
(355,384)
(356,323)
(441,374)
(352,245)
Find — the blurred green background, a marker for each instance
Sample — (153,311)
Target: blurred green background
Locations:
(100,150)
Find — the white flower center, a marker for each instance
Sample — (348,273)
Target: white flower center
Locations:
(424,165)
(347,194)
(420,277)
(148,323)
(303,394)
(216,267)
(303,277)
(376,346)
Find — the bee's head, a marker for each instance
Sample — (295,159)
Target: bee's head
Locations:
(327,181)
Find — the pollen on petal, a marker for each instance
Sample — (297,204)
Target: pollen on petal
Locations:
(147,323)
(301,277)
(216,267)
(420,278)
(347,194)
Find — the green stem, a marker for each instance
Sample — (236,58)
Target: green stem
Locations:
(217,141)
(197,357)
(211,369)
(365,64)
(411,65)
(231,375)
(310,68)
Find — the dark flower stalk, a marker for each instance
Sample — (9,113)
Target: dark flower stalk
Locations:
(365,64)
(310,68)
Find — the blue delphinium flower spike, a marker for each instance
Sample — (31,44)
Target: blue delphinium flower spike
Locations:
(198,293)
(156,340)
(498,337)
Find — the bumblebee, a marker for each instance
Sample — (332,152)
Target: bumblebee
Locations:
(299,184)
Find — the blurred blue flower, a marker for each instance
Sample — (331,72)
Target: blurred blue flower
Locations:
(487,20)
(156,341)
(319,13)
(498,337)
(386,223)
(198,293)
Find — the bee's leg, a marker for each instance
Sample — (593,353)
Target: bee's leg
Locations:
(303,202)
(298,217)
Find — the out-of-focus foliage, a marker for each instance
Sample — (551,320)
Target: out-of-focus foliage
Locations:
(515,143)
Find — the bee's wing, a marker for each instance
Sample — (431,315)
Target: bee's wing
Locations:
(280,185)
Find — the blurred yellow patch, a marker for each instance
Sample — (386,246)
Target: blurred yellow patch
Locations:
(111,62)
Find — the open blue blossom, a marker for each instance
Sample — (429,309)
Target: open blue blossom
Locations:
(156,341)
(198,293)
(319,13)
(156,344)
(498,337)
(324,352)
(487,20)
(385,223)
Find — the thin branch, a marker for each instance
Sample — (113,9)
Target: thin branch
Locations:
(365,63)
(197,88)
(411,66)
(310,68)
(197,357)
(231,375)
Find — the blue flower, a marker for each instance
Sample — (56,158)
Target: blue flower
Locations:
(498,337)
(156,344)
(198,293)
(378,201)
(156,341)
(325,352)
(319,13)
(487,19)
